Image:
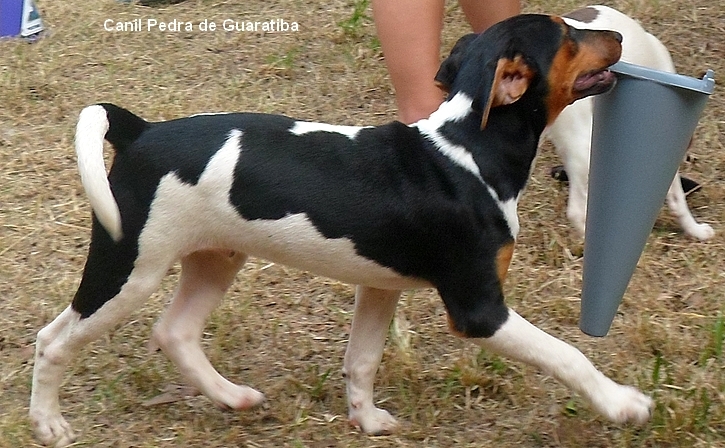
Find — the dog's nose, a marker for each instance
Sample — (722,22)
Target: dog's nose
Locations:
(617,36)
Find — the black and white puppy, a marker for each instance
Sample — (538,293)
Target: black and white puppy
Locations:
(387,208)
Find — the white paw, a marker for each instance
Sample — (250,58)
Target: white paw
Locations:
(580,228)
(702,232)
(374,421)
(625,404)
(239,398)
(53,430)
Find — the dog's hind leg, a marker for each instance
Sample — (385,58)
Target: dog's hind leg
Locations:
(84,321)
(520,340)
(677,204)
(49,425)
(374,309)
(205,277)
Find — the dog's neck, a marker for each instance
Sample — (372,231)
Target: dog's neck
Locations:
(450,113)
(507,144)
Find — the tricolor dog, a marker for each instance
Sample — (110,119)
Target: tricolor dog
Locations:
(386,208)
(571,132)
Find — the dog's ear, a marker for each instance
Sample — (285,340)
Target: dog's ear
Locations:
(450,66)
(503,84)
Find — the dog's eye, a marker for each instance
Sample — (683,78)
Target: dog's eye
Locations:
(571,38)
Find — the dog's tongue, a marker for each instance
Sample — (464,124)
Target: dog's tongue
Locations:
(589,80)
(594,83)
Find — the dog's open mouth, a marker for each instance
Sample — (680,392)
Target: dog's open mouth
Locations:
(594,83)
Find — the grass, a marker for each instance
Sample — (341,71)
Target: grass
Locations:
(353,25)
(284,331)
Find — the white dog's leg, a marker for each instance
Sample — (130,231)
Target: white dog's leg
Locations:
(520,340)
(374,309)
(61,340)
(571,134)
(677,204)
(576,209)
(205,277)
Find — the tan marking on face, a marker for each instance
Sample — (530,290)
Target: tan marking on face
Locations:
(595,50)
(561,78)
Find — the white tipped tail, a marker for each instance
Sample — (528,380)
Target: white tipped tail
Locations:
(90,133)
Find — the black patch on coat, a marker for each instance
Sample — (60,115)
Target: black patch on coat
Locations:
(584,15)
(399,200)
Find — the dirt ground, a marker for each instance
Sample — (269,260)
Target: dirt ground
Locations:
(283,331)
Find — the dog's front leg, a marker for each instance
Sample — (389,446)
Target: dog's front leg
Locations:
(374,309)
(520,340)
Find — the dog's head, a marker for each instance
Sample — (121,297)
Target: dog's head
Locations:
(530,54)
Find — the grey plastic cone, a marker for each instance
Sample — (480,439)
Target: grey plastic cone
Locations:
(640,134)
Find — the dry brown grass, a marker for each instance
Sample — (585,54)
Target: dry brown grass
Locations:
(284,331)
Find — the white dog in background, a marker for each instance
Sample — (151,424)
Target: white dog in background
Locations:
(571,132)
